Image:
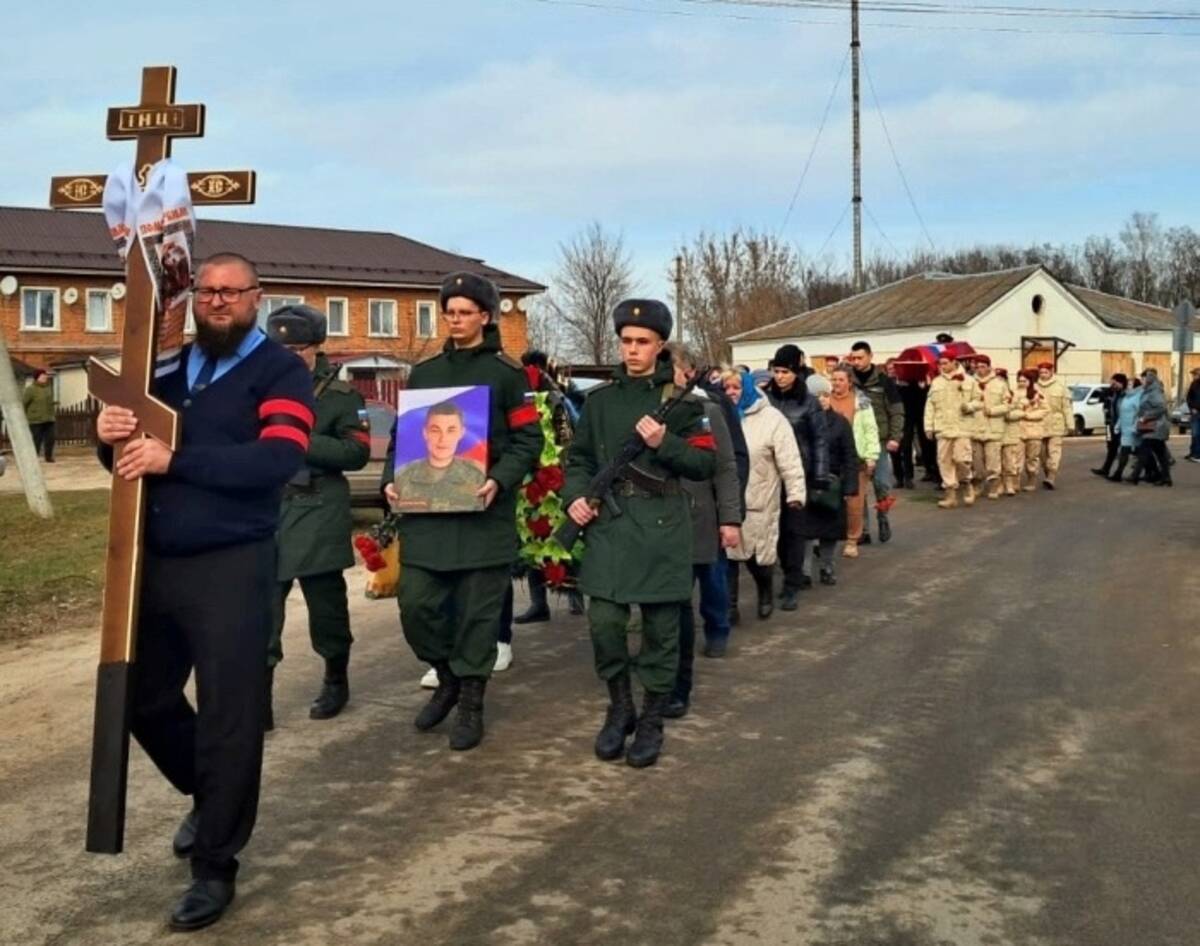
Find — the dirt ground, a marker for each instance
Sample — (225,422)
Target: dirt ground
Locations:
(984,735)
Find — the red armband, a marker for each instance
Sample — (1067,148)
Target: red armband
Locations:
(362,437)
(285,419)
(520,416)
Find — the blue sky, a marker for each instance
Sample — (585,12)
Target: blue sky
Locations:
(498,128)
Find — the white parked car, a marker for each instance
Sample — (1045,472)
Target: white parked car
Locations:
(1088,407)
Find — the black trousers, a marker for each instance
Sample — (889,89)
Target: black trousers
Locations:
(43,438)
(212,752)
(1111,447)
(1153,454)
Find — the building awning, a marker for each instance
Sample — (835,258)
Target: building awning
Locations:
(371,361)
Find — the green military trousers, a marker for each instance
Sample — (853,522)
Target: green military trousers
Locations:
(328,616)
(657,663)
(453,616)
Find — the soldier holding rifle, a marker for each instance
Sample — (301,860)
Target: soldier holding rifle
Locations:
(639,529)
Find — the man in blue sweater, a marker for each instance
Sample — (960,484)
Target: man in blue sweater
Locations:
(212,510)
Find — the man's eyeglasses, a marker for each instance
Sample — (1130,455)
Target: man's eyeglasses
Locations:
(228,296)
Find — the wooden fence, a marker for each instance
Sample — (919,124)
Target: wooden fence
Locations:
(75,425)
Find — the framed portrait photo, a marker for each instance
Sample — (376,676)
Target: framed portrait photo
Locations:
(441,449)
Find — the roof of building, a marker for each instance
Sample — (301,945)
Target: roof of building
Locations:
(38,239)
(940,299)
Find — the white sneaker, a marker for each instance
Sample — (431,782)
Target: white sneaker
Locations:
(504,657)
(429,681)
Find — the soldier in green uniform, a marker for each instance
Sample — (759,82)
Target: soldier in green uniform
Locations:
(456,565)
(40,408)
(442,482)
(642,556)
(315,524)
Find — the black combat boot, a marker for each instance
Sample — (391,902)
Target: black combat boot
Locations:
(885,526)
(619,721)
(538,609)
(648,737)
(335,690)
(764,581)
(269,715)
(444,699)
(467,731)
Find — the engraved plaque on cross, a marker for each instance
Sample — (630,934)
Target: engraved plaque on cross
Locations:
(153,123)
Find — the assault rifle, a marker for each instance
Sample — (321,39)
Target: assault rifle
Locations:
(599,489)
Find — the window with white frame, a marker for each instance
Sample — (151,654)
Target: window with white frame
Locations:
(99,311)
(270,303)
(426,319)
(382,317)
(336,309)
(39,310)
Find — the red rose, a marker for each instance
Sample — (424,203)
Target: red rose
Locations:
(362,543)
(375,563)
(555,573)
(540,527)
(535,493)
(550,478)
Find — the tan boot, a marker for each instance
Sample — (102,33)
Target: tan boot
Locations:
(993,489)
(950,500)
(851,549)
(1010,485)
(969,495)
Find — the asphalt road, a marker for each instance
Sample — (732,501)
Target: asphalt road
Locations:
(986,734)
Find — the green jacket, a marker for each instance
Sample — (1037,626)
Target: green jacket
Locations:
(39,403)
(460,540)
(643,556)
(315,523)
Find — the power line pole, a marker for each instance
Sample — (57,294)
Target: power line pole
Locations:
(13,412)
(855,47)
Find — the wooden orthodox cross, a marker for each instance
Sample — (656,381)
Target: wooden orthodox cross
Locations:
(153,122)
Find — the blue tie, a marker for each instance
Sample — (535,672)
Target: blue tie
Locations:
(204,378)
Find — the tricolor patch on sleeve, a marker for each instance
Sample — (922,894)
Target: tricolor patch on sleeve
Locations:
(285,419)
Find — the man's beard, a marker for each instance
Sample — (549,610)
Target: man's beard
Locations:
(221,342)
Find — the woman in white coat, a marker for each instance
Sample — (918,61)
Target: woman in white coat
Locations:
(776,471)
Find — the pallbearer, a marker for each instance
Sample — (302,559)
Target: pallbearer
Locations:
(642,556)
(315,524)
(209,571)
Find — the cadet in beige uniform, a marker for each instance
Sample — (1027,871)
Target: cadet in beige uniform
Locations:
(991,422)
(1012,448)
(953,400)
(1033,413)
(1058,420)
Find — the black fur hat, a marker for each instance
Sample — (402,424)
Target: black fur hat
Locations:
(296,325)
(478,289)
(646,313)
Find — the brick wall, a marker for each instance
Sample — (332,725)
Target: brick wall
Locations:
(72,341)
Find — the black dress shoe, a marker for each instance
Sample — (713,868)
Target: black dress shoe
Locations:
(865,538)
(185,835)
(787,600)
(676,708)
(202,904)
(1100,471)
(828,577)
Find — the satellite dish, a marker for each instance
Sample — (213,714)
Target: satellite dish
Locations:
(118,290)
(523,304)
(506,305)
(70,295)
(8,285)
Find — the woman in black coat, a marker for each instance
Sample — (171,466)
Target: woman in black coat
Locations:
(823,517)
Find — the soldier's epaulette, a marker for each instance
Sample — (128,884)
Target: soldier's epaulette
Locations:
(510,360)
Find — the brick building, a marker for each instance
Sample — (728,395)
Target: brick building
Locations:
(65,301)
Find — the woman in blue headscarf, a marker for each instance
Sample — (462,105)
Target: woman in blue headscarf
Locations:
(775,470)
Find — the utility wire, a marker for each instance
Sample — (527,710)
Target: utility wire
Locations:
(887,239)
(895,157)
(961,9)
(807,164)
(607,6)
(832,233)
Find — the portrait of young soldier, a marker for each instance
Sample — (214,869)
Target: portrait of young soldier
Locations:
(315,521)
(644,555)
(442,481)
(456,566)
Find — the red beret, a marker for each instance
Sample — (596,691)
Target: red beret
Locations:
(979,358)
(1048,365)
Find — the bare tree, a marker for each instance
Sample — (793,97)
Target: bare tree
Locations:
(1142,238)
(594,274)
(1103,265)
(734,283)
(1181,266)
